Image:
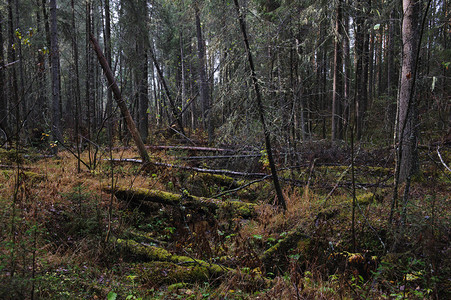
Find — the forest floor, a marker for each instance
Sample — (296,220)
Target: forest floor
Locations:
(123,231)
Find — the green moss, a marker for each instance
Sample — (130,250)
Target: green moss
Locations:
(139,194)
(157,273)
(365,198)
(143,251)
(235,207)
(152,253)
(176,286)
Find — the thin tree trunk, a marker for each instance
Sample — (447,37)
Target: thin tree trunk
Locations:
(280,199)
(13,76)
(337,97)
(109,103)
(347,71)
(23,96)
(76,79)
(89,78)
(166,89)
(56,112)
(3,101)
(203,83)
(120,102)
(359,67)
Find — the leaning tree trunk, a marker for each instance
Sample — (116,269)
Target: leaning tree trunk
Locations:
(280,199)
(120,102)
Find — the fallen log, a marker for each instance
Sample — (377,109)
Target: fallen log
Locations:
(242,209)
(161,267)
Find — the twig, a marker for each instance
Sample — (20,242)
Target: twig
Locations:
(441,159)
(241,187)
(9,64)
(336,184)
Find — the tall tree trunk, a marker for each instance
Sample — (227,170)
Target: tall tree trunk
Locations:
(337,97)
(407,124)
(280,200)
(40,108)
(347,69)
(392,75)
(3,102)
(109,102)
(359,67)
(14,93)
(89,89)
(143,99)
(203,83)
(183,77)
(56,113)
(76,79)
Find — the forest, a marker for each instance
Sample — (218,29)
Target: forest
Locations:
(225,149)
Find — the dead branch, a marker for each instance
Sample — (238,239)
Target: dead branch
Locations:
(200,170)
(441,159)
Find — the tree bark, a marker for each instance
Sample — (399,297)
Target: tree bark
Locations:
(120,102)
(280,200)
(76,79)
(3,102)
(407,129)
(12,71)
(203,83)
(56,113)
(109,102)
(337,97)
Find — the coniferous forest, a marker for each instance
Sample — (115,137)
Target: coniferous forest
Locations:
(225,149)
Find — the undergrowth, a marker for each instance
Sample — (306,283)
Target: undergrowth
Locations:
(53,235)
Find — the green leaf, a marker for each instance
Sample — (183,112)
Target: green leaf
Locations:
(111,296)
(377,26)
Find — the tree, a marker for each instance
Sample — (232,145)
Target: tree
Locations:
(407,125)
(56,113)
(109,103)
(143,86)
(120,101)
(280,198)
(203,84)
(3,102)
(337,105)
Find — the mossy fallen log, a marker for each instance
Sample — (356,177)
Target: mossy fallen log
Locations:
(162,267)
(140,194)
(293,239)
